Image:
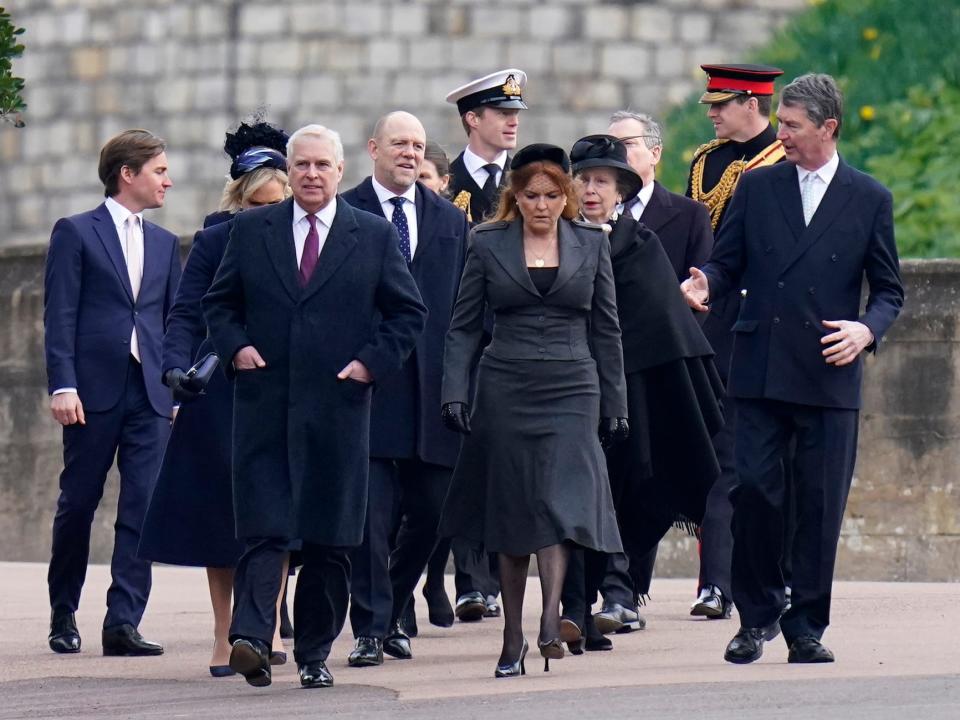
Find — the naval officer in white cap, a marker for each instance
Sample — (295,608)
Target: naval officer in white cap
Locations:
(490,111)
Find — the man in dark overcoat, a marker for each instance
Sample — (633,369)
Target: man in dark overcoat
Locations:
(412,454)
(314,303)
(798,239)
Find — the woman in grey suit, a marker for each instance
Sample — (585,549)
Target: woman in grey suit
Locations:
(531,476)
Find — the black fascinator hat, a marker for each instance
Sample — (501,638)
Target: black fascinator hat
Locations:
(610,152)
(255,145)
(541,152)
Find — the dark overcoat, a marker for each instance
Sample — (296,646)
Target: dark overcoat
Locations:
(793,276)
(405,418)
(301,436)
(683,226)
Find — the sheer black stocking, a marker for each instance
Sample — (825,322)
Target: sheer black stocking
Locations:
(513,584)
(552,564)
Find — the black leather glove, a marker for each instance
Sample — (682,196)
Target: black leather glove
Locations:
(612,431)
(456,417)
(183,390)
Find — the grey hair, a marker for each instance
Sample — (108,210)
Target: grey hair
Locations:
(651,127)
(818,95)
(321,132)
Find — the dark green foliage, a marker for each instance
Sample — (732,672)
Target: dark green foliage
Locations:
(898,64)
(11,104)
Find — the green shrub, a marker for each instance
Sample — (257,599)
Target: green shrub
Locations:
(898,64)
(10,101)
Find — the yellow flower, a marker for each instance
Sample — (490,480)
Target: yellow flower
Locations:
(867,113)
(816,2)
(875,52)
(870,33)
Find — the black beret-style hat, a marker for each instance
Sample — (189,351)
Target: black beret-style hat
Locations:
(542,152)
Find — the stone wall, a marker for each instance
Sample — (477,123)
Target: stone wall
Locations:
(191,69)
(903,519)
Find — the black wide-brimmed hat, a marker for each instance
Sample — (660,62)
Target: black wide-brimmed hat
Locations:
(606,151)
(540,152)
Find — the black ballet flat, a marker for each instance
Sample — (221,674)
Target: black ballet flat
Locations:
(514,669)
(550,650)
(219,671)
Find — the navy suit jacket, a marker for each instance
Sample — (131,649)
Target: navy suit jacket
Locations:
(795,276)
(405,415)
(683,226)
(89,310)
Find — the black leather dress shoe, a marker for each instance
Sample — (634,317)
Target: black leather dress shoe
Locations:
(747,644)
(64,636)
(397,644)
(315,675)
(125,640)
(367,653)
(471,606)
(593,639)
(711,604)
(807,649)
(408,621)
(251,658)
(614,617)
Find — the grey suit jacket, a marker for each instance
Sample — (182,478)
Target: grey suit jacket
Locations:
(575,320)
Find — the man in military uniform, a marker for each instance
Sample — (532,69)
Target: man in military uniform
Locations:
(490,112)
(738,99)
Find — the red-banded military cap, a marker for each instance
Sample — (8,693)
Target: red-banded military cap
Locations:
(725,82)
(502,89)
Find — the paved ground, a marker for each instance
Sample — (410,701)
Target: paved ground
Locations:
(896,646)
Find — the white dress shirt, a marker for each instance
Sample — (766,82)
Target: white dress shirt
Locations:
(474,164)
(824,176)
(409,208)
(301,226)
(643,199)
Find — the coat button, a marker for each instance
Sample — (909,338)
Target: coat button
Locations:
(834,257)
(768,249)
(806,323)
(543,350)
(780,284)
(811,290)
(541,318)
(776,320)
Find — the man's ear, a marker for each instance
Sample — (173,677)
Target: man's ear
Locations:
(830,125)
(472,119)
(127,174)
(372,148)
(657,152)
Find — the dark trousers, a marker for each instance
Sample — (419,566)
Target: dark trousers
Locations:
(319,605)
(826,445)
(474,571)
(384,577)
(135,435)
(585,571)
(716,537)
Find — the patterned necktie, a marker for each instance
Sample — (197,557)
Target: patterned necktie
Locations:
(807,188)
(133,250)
(629,205)
(490,186)
(399,220)
(311,251)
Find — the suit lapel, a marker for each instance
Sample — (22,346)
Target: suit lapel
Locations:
(509,254)
(427,211)
(107,232)
(278,238)
(835,199)
(572,255)
(340,242)
(368,198)
(153,257)
(659,210)
(788,194)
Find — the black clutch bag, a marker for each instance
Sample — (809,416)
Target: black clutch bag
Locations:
(199,375)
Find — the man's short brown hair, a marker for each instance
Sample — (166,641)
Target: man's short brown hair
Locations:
(764,103)
(131,148)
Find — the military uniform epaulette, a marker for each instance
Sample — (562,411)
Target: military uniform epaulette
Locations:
(709,147)
(488,226)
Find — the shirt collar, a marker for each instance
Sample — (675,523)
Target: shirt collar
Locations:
(825,172)
(474,162)
(119,213)
(384,194)
(324,214)
(645,194)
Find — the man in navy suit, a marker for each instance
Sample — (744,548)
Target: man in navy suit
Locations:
(412,454)
(110,281)
(313,304)
(798,239)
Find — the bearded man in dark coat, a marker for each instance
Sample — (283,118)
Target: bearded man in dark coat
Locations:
(312,304)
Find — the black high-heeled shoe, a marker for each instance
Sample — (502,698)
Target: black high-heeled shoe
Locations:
(515,668)
(550,650)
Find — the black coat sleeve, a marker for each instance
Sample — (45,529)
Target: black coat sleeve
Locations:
(605,338)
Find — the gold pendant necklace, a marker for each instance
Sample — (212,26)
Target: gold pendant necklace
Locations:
(539,262)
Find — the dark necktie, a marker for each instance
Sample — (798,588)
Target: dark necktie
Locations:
(629,205)
(490,186)
(311,251)
(399,220)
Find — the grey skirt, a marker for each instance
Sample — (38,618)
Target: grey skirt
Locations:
(532,473)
